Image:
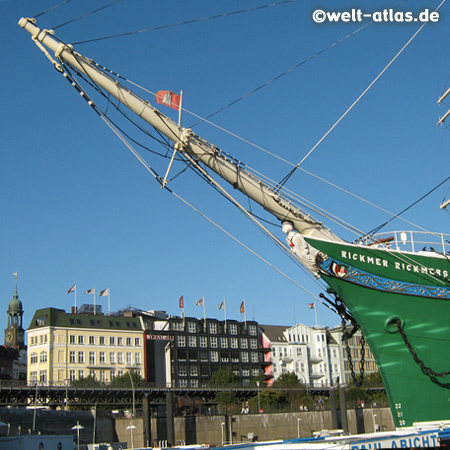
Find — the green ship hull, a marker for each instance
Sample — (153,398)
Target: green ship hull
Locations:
(383,288)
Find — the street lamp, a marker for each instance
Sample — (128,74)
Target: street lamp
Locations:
(298,427)
(222,425)
(78,427)
(259,400)
(132,427)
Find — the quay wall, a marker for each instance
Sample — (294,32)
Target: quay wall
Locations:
(219,430)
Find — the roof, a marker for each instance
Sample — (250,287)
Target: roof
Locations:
(275,333)
(59,318)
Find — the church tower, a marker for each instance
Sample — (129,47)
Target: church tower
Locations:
(14,334)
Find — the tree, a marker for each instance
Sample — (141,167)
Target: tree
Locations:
(124,379)
(89,381)
(225,378)
(296,393)
(287,380)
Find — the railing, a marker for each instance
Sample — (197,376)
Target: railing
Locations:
(412,241)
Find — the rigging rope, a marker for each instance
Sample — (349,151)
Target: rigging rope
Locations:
(202,19)
(286,178)
(87,14)
(267,83)
(379,227)
(51,9)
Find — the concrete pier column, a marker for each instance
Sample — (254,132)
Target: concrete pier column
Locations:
(170,419)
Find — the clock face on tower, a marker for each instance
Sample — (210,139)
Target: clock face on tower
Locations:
(9,336)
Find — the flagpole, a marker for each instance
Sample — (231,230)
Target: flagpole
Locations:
(95,309)
(179,109)
(109,303)
(76,310)
(225,312)
(315,308)
(204,310)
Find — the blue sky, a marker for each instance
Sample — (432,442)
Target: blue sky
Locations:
(77,207)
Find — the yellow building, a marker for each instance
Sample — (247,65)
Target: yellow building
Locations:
(63,347)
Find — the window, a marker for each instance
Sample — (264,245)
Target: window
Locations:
(128,340)
(245,372)
(233,328)
(254,357)
(102,376)
(137,342)
(33,358)
(213,328)
(102,357)
(203,356)
(129,358)
(80,340)
(224,342)
(182,383)
(192,328)
(255,372)
(244,356)
(244,343)
(181,341)
(43,357)
(102,340)
(112,374)
(213,342)
(234,342)
(192,341)
(182,370)
(137,358)
(119,341)
(214,356)
(92,340)
(72,375)
(299,352)
(81,357)
(252,330)
(203,341)
(120,358)
(177,326)
(193,371)
(91,358)
(112,357)
(254,344)
(92,373)
(72,339)
(33,376)
(80,374)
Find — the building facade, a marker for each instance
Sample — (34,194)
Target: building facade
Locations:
(63,347)
(317,355)
(195,349)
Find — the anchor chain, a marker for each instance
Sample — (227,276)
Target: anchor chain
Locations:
(347,335)
(428,371)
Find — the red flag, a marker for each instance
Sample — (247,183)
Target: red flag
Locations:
(242,308)
(311,305)
(181,302)
(169,98)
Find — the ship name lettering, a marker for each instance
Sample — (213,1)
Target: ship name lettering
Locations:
(364,259)
(422,269)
